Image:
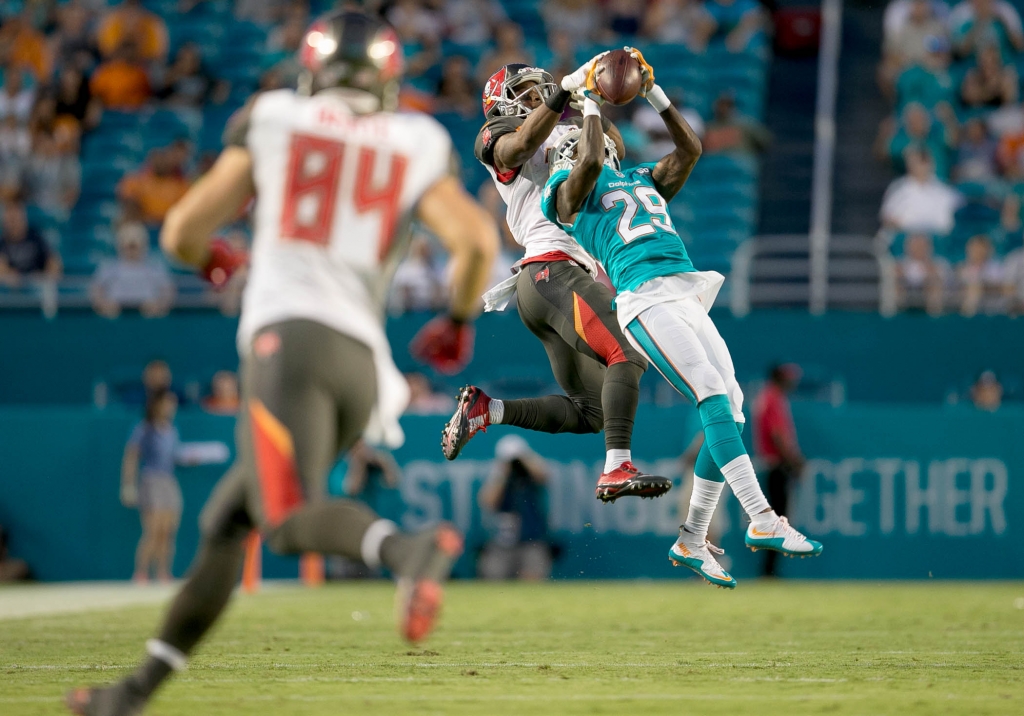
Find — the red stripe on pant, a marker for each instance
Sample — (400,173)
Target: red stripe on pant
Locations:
(592,330)
(280,488)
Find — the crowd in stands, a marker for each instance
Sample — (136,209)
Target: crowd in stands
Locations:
(953,217)
(109,109)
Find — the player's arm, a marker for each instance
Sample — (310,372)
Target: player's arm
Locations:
(209,204)
(672,171)
(589,160)
(469,234)
(609,128)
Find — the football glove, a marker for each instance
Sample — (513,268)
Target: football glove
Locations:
(224,261)
(584,74)
(646,71)
(446,345)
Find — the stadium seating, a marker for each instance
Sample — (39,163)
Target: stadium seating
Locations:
(717,210)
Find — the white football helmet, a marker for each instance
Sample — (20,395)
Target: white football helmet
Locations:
(563,154)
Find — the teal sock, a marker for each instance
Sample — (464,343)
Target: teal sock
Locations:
(721,435)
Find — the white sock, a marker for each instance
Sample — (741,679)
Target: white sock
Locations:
(741,478)
(614,458)
(496,411)
(703,501)
(376,533)
(166,653)
(764,520)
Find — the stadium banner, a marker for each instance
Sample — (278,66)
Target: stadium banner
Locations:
(894,492)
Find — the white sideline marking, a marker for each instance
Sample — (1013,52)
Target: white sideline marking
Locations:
(33,600)
(30,600)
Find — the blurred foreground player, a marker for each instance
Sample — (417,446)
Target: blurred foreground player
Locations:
(622,219)
(558,298)
(339,176)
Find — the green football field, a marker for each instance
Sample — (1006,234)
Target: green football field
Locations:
(565,648)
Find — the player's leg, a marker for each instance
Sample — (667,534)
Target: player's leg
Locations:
(312,398)
(571,413)
(768,530)
(224,524)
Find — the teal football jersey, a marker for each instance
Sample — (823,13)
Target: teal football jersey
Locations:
(625,225)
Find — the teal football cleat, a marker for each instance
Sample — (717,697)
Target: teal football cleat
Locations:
(690,551)
(782,537)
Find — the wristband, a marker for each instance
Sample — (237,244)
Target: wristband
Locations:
(591,108)
(658,99)
(558,101)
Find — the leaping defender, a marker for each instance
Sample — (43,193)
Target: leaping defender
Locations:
(559,300)
(622,219)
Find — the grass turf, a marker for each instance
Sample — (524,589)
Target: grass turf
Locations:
(566,648)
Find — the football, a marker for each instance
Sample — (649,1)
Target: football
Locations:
(618,77)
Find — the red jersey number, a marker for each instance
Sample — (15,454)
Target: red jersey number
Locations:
(311,191)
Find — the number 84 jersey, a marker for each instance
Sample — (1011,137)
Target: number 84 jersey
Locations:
(336,190)
(624,224)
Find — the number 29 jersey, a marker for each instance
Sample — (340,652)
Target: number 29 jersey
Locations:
(335,195)
(624,224)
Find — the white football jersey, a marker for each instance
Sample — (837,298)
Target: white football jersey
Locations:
(335,195)
(521,191)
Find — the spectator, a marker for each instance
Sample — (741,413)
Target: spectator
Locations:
(283,50)
(578,18)
(919,132)
(625,17)
(921,278)
(729,131)
(514,495)
(121,82)
(132,280)
(508,49)
(11,570)
(976,155)
(15,147)
(911,43)
(24,254)
(455,91)
(156,377)
(987,392)
(472,22)
(414,22)
(659,142)
(775,441)
(53,177)
(75,104)
(261,12)
(684,22)
(928,81)
(224,394)
(186,83)
(156,187)
(737,21)
(149,484)
(981,278)
(424,400)
(130,20)
(977,23)
(418,284)
(897,15)
(561,55)
(990,83)
(73,43)
(1013,287)
(16,97)
(26,48)
(919,201)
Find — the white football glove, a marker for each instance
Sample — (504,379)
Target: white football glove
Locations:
(582,94)
(577,79)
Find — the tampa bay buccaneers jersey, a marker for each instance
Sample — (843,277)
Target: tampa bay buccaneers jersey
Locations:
(521,189)
(335,193)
